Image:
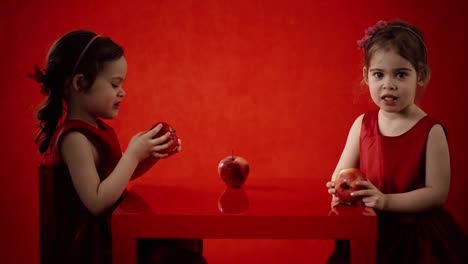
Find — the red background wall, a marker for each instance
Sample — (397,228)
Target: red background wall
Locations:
(278,81)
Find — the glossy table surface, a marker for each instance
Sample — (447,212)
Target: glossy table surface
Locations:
(274,208)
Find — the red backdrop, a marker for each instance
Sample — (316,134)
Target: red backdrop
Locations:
(277,81)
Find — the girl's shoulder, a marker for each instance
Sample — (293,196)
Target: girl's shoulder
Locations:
(370,115)
(368,121)
(83,127)
(69,126)
(98,136)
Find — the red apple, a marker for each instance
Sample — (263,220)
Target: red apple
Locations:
(172,149)
(233,171)
(345,184)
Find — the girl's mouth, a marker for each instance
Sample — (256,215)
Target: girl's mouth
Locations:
(389,99)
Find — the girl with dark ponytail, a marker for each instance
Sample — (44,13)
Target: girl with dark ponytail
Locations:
(61,61)
(83,81)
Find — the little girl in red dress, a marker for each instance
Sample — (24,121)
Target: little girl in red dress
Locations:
(403,152)
(84,76)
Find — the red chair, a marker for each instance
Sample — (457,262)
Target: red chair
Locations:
(47,222)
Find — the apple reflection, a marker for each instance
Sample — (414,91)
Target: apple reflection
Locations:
(233,201)
(350,209)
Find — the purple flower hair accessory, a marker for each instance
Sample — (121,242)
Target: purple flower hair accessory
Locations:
(369,33)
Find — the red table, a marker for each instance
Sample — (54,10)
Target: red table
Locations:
(269,209)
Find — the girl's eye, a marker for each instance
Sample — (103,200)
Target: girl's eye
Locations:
(401,75)
(115,85)
(378,75)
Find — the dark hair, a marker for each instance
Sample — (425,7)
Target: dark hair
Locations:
(404,38)
(63,57)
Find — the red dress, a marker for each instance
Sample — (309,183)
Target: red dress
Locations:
(81,236)
(397,165)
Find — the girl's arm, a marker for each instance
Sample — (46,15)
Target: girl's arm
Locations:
(149,162)
(432,195)
(81,158)
(144,166)
(349,157)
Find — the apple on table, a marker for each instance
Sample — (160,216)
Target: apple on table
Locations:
(233,170)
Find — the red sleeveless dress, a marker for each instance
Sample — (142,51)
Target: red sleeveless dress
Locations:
(81,236)
(397,165)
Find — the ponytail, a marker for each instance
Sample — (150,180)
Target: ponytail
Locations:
(51,111)
(49,116)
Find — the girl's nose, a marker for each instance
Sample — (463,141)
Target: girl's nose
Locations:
(389,84)
(122,92)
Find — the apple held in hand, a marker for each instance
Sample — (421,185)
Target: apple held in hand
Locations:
(345,184)
(233,170)
(172,149)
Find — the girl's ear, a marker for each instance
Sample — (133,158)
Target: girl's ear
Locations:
(365,75)
(421,83)
(78,82)
(424,76)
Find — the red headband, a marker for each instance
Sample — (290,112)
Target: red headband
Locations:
(82,53)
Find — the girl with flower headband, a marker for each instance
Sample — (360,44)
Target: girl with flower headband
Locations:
(403,152)
(84,77)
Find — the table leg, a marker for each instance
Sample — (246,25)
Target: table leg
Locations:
(363,251)
(124,250)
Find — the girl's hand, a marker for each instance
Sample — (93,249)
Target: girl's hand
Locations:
(179,148)
(160,143)
(166,145)
(372,196)
(143,145)
(331,190)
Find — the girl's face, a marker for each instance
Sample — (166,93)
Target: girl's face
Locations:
(392,81)
(103,98)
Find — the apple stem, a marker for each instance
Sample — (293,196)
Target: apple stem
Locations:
(232,154)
